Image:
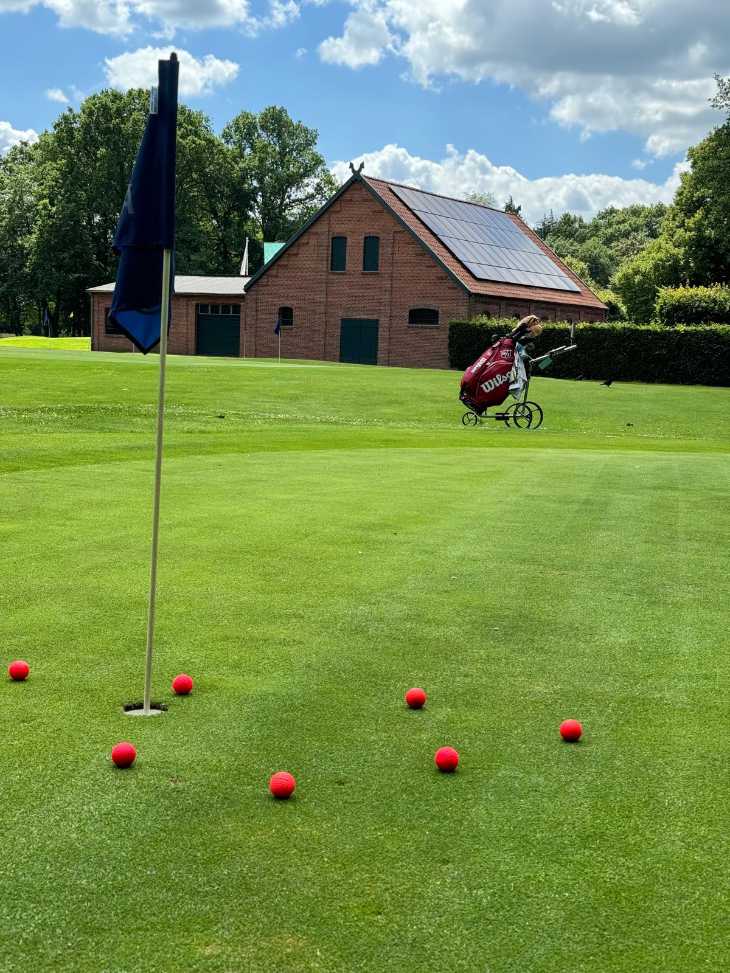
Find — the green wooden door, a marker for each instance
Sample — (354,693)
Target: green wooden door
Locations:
(218,334)
(359,341)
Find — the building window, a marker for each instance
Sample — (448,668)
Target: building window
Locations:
(371,254)
(286,317)
(219,309)
(423,317)
(110,327)
(338,254)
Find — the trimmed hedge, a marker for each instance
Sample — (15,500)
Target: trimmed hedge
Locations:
(693,305)
(622,352)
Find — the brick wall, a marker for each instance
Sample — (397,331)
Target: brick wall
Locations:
(505,308)
(301,279)
(182,323)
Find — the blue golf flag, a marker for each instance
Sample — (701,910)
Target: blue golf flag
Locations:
(146,226)
(277,328)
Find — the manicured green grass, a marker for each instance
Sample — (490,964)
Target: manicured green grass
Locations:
(48,344)
(331,536)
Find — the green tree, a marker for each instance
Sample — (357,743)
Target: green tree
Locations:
(484,199)
(81,169)
(511,207)
(579,267)
(627,231)
(598,259)
(616,310)
(278,162)
(638,281)
(18,206)
(699,221)
(721,100)
(605,242)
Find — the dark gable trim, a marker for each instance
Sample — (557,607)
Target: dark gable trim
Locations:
(299,233)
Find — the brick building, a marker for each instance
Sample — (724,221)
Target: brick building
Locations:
(368,280)
(205,317)
(374,277)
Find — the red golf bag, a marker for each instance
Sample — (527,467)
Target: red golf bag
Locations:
(486,382)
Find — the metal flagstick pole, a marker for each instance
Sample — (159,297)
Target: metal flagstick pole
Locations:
(164,321)
(279,343)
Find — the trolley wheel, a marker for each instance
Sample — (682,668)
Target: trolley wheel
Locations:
(521,415)
(470,419)
(537,415)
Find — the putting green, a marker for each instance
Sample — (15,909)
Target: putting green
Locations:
(335,538)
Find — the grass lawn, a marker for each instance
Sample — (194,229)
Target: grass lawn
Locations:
(55,344)
(331,535)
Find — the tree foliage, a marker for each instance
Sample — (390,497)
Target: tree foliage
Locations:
(693,305)
(721,99)
(639,279)
(277,159)
(61,197)
(484,199)
(604,243)
(699,221)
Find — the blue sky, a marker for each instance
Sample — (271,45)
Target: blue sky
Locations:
(567,104)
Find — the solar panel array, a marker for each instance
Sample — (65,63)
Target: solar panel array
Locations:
(486,241)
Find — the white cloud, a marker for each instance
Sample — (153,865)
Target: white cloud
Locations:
(123,16)
(56,94)
(640,164)
(10,136)
(300,52)
(365,39)
(198,76)
(458,174)
(627,13)
(638,66)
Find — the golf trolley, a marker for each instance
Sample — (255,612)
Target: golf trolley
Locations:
(506,368)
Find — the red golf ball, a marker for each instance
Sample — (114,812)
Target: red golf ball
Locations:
(571,730)
(182,684)
(447,760)
(415,698)
(18,670)
(124,754)
(282,785)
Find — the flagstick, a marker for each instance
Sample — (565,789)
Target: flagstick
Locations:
(279,336)
(164,321)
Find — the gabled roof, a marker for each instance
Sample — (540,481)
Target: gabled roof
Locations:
(382,190)
(584,297)
(191,284)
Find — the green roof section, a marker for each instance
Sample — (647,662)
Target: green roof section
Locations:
(271,249)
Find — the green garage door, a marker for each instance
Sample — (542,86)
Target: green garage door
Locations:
(359,341)
(218,329)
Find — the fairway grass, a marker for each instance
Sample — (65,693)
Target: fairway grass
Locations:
(331,535)
(46,344)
